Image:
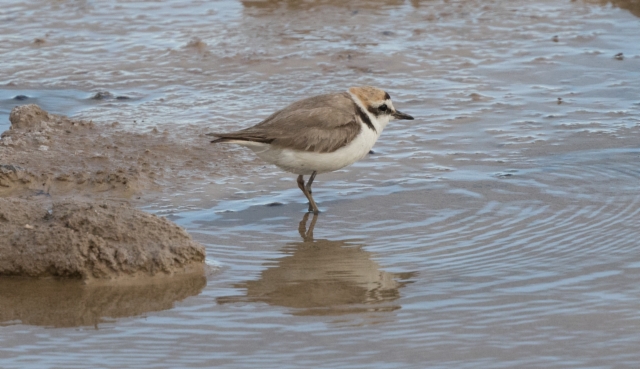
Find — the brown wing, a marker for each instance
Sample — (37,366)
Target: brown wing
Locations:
(323,123)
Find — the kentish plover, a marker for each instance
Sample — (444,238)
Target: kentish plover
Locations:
(319,134)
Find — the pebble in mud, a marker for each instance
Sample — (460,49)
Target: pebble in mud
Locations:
(102,95)
(106,95)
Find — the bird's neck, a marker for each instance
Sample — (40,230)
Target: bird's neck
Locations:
(379,123)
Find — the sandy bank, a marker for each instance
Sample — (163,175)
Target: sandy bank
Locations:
(94,240)
(63,207)
(55,155)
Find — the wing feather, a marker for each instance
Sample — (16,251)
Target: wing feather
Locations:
(323,123)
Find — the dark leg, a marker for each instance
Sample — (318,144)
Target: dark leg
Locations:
(308,187)
(312,204)
(313,176)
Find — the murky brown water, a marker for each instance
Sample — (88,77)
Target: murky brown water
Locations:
(500,228)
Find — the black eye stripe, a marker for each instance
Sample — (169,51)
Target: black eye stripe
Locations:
(380,110)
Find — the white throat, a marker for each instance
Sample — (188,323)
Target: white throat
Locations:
(378,122)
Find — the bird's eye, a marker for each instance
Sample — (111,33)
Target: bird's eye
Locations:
(383,107)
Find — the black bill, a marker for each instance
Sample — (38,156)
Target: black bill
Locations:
(400,115)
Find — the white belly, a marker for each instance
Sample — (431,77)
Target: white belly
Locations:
(304,162)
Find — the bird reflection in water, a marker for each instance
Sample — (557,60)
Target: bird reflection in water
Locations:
(323,277)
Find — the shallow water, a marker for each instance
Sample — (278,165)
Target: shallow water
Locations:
(498,229)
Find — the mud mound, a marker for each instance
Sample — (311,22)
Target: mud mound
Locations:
(55,155)
(98,240)
(49,153)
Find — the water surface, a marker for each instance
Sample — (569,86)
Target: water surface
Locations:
(498,229)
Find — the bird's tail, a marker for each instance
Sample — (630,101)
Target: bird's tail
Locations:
(239,136)
(218,137)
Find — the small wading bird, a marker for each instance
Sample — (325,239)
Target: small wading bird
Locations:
(319,134)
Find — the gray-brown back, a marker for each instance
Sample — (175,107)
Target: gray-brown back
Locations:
(321,123)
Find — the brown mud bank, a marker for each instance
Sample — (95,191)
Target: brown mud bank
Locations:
(65,187)
(44,153)
(91,240)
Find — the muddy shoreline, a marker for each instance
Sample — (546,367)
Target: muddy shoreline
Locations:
(68,191)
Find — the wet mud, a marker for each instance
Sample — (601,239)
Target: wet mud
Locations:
(91,240)
(64,186)
(53,155)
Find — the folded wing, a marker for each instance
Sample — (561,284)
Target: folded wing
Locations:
(320,124)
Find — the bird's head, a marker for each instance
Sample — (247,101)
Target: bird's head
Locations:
(377,102)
